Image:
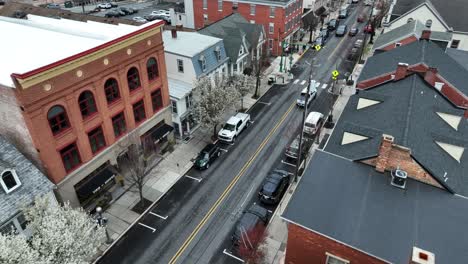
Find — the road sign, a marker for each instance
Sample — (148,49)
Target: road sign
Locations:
(335,73)
(317,47)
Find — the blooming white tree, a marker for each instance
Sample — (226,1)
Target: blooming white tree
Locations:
(243,84)
(58,235)
(212,98)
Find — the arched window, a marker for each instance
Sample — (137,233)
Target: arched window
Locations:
(152,68)
(9,181)
(428,23)
(87,104)
(133,78)
(58,120)
(111,88)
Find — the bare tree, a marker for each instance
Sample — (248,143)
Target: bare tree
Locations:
(243,84)
(310,21)
(135,164)
(376,20)
(212,98)
(258,65)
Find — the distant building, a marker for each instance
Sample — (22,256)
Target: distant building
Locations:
(20,184)
(72,92)
(190,56)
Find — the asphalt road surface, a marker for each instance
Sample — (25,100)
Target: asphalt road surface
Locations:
(194,221)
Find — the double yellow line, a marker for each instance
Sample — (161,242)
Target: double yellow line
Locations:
(229,188)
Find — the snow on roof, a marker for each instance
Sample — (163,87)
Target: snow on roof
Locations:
(187,43)
(38,41)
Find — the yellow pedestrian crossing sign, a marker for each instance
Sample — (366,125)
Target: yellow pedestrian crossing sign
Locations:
(317,47)
(335,74)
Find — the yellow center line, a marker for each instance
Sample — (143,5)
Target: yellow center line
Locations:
(337,46)
(229,188)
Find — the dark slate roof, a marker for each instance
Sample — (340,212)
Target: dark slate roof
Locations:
(33,182)
(461,56)
(408,112)
(354,204)
(452,11)
(11,7)
(413,28)
(232,29)
(422,51)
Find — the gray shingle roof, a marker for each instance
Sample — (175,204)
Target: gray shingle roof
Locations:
(426,52)
(453,11)
(408,112)
(461,56)
(354,204)
(232,29)
(33,182)
(413,28)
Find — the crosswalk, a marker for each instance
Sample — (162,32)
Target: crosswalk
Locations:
(303,82)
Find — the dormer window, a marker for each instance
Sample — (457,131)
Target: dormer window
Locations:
(9,181)
(241,51)
(203,62)
(218,53)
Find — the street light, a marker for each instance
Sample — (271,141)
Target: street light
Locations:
(102,221)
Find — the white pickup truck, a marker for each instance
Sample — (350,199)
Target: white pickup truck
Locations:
(234,127)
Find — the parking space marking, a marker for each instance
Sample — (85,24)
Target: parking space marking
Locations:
(324,86)
(225,150)
(251,121)
(296,81)
(247,196)
(193,178)
(287,163)
(260,102)
(232,256)
(303,82)
(160,216)
(149,227)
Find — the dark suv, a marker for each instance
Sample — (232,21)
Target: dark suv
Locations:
(207,156)
(274,186)
(333,24)
(253,220)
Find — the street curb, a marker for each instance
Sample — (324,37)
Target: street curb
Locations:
(139,217)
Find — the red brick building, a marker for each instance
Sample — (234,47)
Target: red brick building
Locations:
(77,94)
(281,19)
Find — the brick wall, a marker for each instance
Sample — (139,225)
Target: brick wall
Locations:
(306,247)
(66,88)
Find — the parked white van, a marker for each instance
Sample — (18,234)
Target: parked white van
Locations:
(313,122)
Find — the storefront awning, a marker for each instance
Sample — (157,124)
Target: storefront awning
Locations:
(161,132)
(95,183)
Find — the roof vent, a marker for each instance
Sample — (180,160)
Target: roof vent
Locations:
(399,178)
(421,256)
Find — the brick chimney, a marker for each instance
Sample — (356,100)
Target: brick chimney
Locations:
(426,34)
(420,256)
(384,153)
(174,33)
(430,76)
(401,71)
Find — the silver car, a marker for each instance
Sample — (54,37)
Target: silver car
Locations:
(312,94)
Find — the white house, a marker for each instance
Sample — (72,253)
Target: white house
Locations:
(436,15)
(189,56)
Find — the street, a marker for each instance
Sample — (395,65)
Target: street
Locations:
(194,221)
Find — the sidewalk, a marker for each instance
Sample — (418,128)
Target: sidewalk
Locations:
(170,169)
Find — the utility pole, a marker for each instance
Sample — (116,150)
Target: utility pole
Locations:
(304,114)
(365,34)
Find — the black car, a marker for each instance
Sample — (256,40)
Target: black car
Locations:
(333,24)
(341,31)
(113,4)
(353,31)
(274,186)
(112,14)
(155,17)
(207,156)
(255,218)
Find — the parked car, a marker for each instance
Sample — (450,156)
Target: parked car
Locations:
(353,31)
(343,13)
(368,28)
(324,33)
(353,54)
(361,18)
(208,154)
(341,30)
(293,149)
(125,10)
(234,127)
(313,122)
(255,217)
(355,1)
(133,10)
(139,19)
(95,10)
(112,14)
(104,6)
(151,17)
(113,4)
(333,24)
(274,186)
(302,98)
(53,6)
(358,43)
(320,41)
